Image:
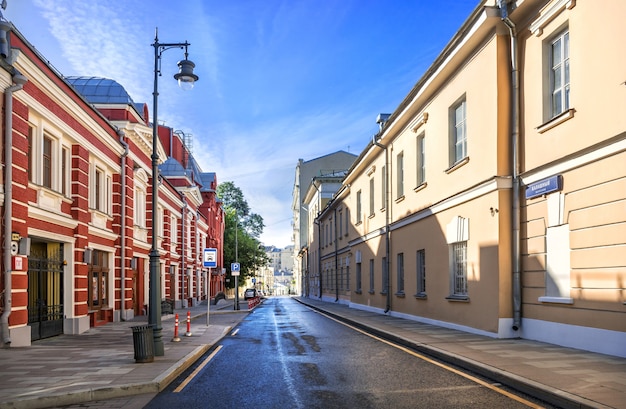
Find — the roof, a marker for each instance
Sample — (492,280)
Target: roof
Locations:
(98,90)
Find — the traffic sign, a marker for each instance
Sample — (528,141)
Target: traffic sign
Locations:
(234,269)
(210,257)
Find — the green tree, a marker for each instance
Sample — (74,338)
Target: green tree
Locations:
(241,235)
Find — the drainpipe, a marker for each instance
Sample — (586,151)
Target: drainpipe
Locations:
(336,258)
(19,81)
(515,107)
(120,133)
(319,252)
(381,121)
(183,255)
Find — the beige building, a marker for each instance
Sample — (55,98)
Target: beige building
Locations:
(493,199)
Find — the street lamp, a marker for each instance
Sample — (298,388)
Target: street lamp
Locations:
(186,79)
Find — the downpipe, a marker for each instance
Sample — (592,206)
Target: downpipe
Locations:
(516,261)
(19,81)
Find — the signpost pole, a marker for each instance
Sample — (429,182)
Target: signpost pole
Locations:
(210,261)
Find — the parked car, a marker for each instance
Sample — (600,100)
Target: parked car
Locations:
(249,293)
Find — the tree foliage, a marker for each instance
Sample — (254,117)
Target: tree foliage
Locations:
(241,236)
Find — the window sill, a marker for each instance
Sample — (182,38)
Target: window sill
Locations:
(420,296)
(556,300)
(556,121)
(457,165)
(458,298)
(399,199)
(400,294)
(422,186)
(371,216)
(383,293)
(358,292)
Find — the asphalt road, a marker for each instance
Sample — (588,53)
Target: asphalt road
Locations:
(285,355)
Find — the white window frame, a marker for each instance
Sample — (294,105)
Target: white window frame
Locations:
(559,74)
(359,212)
(173,234)
(420,156)
(400,175)
(458,131)
(400,273)
(372,209)
(420,263)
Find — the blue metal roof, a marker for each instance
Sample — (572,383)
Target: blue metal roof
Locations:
(98,90)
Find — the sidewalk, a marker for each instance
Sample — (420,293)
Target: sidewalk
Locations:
(99,364)
(564,377)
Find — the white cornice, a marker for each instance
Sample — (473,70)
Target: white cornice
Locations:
(547,14)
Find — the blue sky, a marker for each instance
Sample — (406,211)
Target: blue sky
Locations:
(279,79)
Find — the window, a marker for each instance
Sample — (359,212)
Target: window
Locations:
(459,268)
(98,187)
(421,272)
(99,280)
(358,277)
(30,154)
(330,230)
(371,196)
(559,73)
(347,221)
(340,224)
(173,233)
(140,207)
(372,275)
(65,171)
(385,277)
(420,156)
(383,187)
(400,174)
(100,190)
(46,179)
(48,162)
(358,207)
(400,273)
(458,132)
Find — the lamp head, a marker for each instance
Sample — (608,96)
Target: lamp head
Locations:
(186,78)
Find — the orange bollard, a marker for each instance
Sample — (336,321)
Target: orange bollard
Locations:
(188,334)
(176,338)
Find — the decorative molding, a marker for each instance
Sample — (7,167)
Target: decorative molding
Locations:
(536,27)
(421,120)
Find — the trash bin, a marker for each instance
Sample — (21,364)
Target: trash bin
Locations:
(143,341)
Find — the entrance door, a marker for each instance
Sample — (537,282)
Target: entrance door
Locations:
(45,290)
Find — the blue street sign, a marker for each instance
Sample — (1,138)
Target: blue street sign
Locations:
(234,269)
(210,258)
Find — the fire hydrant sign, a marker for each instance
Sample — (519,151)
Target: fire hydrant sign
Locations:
(210,257)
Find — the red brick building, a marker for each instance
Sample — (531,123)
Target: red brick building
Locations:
(77,200)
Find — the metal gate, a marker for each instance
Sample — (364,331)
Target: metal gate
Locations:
(45,290)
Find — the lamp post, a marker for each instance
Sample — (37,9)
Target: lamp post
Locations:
(186,79)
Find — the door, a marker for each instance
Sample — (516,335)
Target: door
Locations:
(45,290)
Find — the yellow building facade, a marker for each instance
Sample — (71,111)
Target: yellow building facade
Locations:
(493,199)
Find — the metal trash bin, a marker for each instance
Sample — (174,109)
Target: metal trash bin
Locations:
(143,341)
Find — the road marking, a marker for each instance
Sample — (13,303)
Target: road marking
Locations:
(439,364)
(234,332)
(197,370)
(291,385)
